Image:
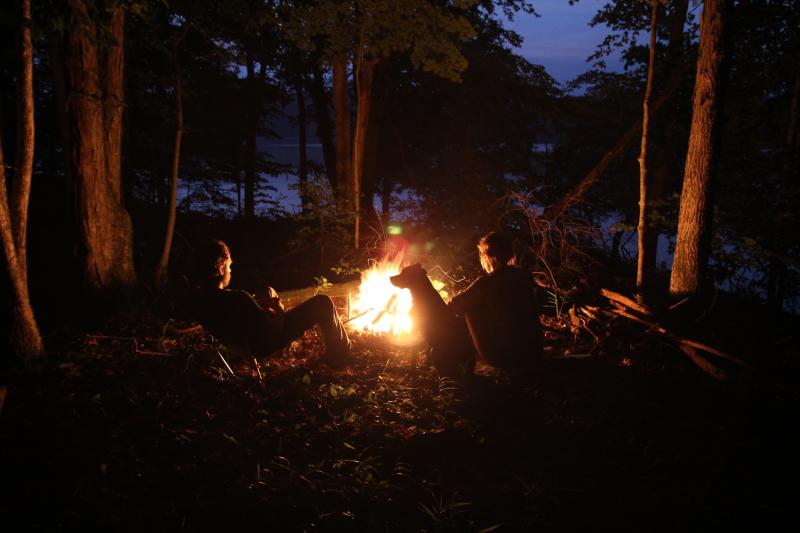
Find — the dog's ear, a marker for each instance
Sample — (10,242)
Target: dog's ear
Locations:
(416,267)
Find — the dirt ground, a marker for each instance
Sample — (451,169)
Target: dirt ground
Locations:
(143,427)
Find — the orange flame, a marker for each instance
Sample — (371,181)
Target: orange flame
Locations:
(379,306)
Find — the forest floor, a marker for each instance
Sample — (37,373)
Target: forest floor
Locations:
(141,426)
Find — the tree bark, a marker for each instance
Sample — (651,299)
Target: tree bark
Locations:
(364,77)
(26,339)
(341,113)
(641,261)
(324,129)
(694,220)
(163,263)
(114,99)
(106,231)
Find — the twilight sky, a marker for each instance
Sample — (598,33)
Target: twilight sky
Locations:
(561,39)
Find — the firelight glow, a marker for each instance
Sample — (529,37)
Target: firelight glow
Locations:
(379,306)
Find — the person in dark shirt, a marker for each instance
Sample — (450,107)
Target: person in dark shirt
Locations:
(239,322)
(501,309)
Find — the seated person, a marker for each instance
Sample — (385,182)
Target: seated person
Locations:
(501,309)
(239,322)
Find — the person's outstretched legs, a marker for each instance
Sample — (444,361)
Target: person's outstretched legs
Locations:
(319,310)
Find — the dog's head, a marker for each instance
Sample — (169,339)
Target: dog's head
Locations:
(409,277)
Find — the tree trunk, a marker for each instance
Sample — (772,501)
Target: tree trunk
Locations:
(114,99)
(26,339)
(163,263)
(576,194)
(659,181)
(302,166)
(364,76)
(250,141)
(324,129)
(106,230)
(694,220)
(671,86)
(341,113)
(641,261)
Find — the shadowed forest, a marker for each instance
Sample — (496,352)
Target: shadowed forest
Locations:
(653,206)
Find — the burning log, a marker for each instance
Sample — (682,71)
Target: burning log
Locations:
(387,309)
(359,315)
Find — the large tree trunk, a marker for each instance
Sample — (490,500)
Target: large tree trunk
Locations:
(94,53)
(641,261)
(324,128)
(163,263)
(302,164)
(26,339)
(341,113)
(364,76)
(694,220)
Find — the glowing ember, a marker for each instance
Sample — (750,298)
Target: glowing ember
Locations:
(379,306)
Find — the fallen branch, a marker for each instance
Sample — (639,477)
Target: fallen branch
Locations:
(704,364)
(683,342)
(627,302)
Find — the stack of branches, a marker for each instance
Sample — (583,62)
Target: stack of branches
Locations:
(708,358)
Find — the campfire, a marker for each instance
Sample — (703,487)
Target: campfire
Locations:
(381,308)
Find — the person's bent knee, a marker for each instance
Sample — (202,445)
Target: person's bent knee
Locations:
(322,303)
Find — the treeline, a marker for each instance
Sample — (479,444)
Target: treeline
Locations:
(107,106)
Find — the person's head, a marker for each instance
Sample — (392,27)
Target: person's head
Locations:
(214,264)
(495,249)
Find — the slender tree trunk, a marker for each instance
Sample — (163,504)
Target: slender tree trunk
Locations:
(641,261)
(659,180)
(250,141)
(26,339)
(364,76)
(694,220)
(302,166)
(671,86)
(106,230)
(163,263)
(324,128)
(341,113)
(577,193)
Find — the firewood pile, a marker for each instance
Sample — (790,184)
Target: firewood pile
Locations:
(586,330)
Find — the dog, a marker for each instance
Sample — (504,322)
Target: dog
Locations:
(452,350)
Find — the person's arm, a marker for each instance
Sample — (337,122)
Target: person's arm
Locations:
(466,299)
(274,304)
